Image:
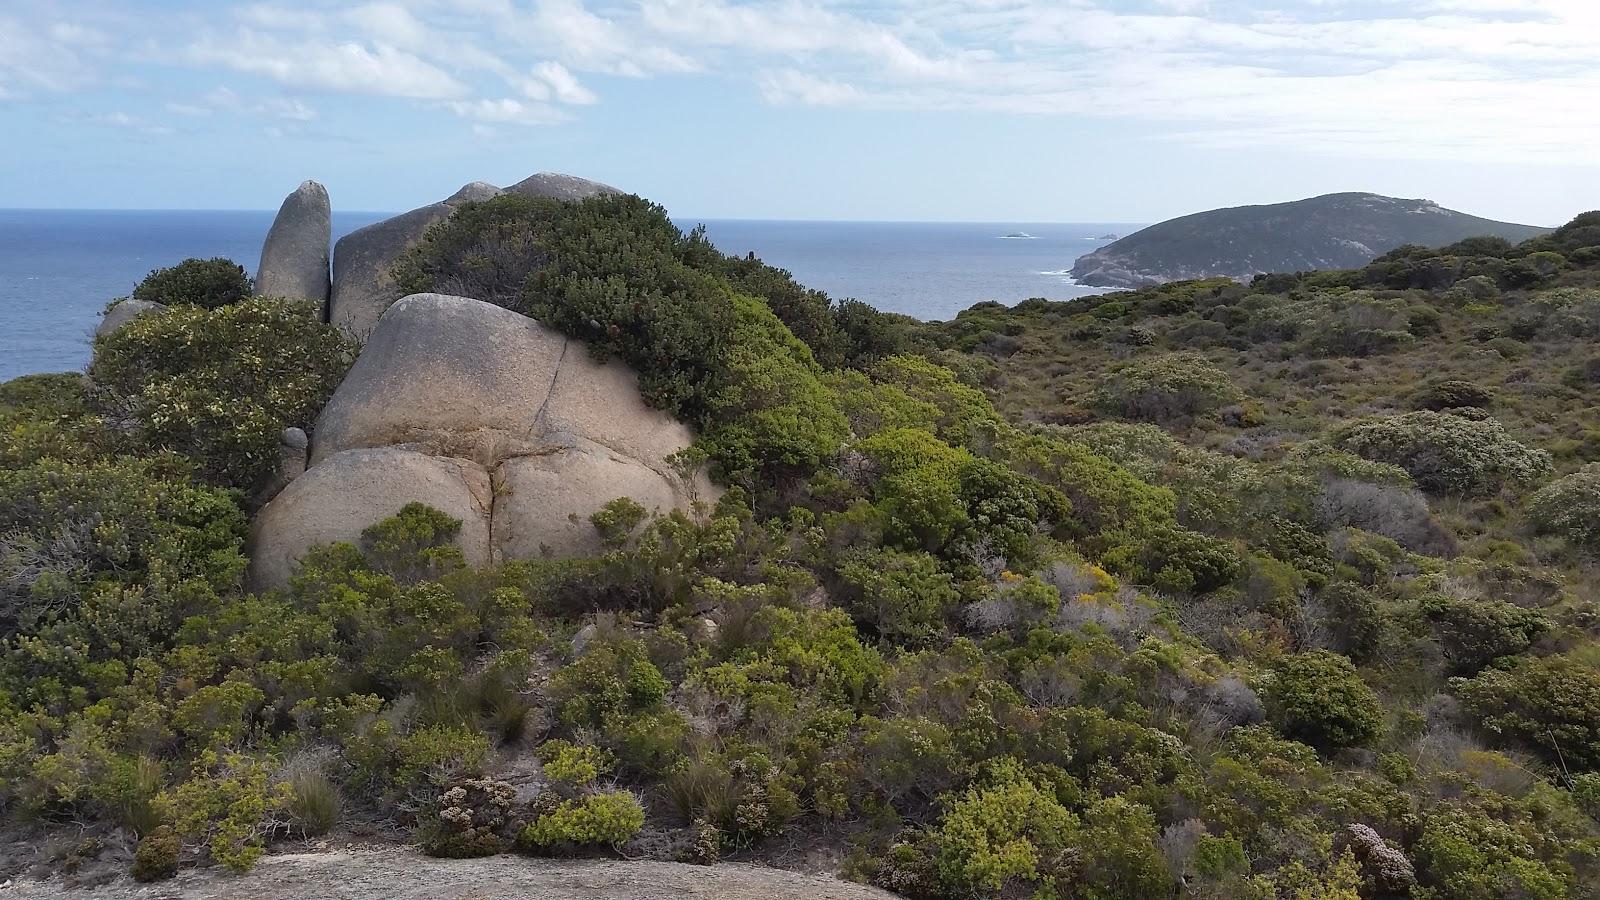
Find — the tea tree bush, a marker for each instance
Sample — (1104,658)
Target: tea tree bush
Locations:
(206,283)
(1166,389)
(1448,454)
(1318,698)
(220,385)
(1550,705)
(1473,633)
(1570,507)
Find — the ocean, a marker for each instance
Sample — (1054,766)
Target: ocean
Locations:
(59,268)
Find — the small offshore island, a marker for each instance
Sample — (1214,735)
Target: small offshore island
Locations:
(527,523)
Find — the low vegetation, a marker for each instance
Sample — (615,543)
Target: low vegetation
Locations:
(1211,590)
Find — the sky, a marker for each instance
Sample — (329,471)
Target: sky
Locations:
(939,110)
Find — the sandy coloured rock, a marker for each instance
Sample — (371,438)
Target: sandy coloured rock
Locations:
(294,259)
(339,498)
(483,413)
(404,874)
(362,287)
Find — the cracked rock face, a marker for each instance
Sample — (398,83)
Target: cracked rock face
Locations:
(488,416)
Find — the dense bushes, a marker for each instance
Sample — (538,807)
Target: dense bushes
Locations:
(206,283)
(219,385)
(1448,454)
(1550,705)
(1318,698)
(1166,390)
(1570,507)
(916,628)
(1474,633)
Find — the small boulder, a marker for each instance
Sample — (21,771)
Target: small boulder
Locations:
(123,312)
(292,447)
(294,259)
(362,286)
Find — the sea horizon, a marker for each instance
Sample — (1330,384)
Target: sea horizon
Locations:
(59,267)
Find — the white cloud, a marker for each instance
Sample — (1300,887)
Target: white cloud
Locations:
(563,84)
(345,67)
(127,122)
(288,108)
(505,111)
(389,23)
(1455,79)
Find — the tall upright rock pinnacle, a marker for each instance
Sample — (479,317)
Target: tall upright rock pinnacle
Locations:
(294,260)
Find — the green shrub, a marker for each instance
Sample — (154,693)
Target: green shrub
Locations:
(1468,855)
(905,597)
(1166,389)
(156,856)
(1550,705)
(1447,454)
(1474,633)
(1570,507)
(1451,394)
(1120,855)
(1318,698)
(1105,499)
(1177,559)
(574,764)
(605,819)
(206,283)
(220,385)
(1006,835)
(226,806)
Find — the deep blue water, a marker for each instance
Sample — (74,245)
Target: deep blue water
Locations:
(59,268)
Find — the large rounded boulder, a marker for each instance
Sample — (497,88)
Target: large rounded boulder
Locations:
(489,416)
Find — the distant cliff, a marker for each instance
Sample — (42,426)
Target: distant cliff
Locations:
(1334,231)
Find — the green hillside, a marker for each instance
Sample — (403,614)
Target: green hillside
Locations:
(1334,231)
(1212,590)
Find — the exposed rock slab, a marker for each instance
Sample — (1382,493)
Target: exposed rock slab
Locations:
(560,187)
(294,259)
(362,288)
(404,874)
(480,412)
(123,312)
(341,497)
(543,501)
(447,374)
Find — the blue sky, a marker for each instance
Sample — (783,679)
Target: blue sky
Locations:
(981,110)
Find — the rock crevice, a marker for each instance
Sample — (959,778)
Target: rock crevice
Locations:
(484,414)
